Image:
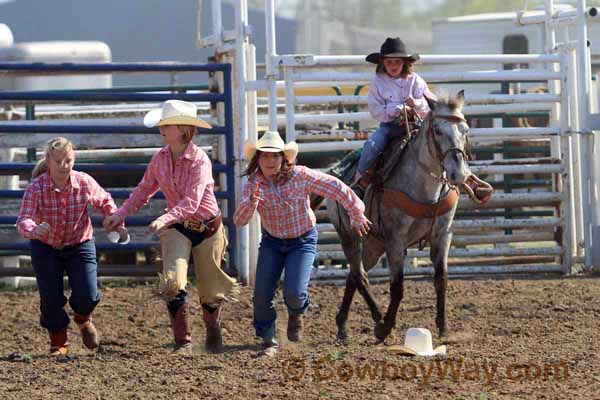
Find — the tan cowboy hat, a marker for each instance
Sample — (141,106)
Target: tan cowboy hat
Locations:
(271,142)
(175,112)
(418,342)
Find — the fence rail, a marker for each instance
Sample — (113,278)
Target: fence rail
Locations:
(31,133)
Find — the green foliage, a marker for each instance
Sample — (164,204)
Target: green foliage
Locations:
(335,356)
(9,288)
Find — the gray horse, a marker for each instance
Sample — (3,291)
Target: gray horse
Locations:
(415,200)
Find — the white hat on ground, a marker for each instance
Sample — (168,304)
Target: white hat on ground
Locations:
(418,342)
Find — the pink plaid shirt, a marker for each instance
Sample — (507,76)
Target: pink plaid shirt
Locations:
(285,209)
(187,184)
(65,211)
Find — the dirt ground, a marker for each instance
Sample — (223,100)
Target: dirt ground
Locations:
(533,337)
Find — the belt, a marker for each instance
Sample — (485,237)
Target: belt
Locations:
(70,246)
(208,227)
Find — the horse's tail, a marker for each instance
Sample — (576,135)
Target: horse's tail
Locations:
(316,201)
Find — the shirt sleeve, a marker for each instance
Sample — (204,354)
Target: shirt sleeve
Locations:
(99,198)
(246,207)
(140,196)
(332,188)
(199,177)
(419,90)
(25,223)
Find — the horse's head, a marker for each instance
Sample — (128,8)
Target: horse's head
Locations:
(447,137)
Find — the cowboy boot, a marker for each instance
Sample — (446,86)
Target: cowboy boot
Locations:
(59,344)
(180,323)
(270,347)
(89,334)
(294,328)
(362,181)
(212,321)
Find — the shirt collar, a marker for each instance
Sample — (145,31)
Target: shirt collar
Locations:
(47,184)
(261,178)
(189,153)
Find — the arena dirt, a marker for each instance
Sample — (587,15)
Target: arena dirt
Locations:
(510,338)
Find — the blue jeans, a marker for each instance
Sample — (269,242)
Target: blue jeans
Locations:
(50,264)
(296,257)
(375,146)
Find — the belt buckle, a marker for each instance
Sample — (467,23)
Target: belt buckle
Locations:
(195,226)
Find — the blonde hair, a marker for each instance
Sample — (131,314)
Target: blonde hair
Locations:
(57,143)
(188,132)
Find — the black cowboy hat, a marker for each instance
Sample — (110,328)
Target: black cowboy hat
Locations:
(392,47)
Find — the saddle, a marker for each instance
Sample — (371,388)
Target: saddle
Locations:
(345,170)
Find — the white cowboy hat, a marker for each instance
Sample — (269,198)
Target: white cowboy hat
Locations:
(271,142)
(418,342)
(174,112)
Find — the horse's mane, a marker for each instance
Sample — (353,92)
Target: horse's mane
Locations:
(451,102)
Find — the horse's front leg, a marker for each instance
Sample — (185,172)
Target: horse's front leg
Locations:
(439,257)
(396,254)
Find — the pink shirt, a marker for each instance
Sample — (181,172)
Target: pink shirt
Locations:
(65,211)
(188,186)
(387,93)
(285,209)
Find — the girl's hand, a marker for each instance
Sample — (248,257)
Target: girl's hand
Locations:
(156,226)
(410,101)
(401,108)
(111,223)
(41,230)
(255,196)
(363,228)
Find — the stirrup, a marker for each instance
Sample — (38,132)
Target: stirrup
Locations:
(478,190)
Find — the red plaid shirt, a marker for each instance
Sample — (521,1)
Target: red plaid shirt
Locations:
(65,211)
(188,186)
(285,209)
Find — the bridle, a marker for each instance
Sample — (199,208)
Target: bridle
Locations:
(440,155)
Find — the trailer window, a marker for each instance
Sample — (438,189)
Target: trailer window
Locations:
(515,44)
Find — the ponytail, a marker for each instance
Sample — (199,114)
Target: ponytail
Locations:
(39,168)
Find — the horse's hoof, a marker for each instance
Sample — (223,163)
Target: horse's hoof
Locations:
(342,336)
(381,332)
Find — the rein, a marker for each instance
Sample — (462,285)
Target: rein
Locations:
(438,149)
